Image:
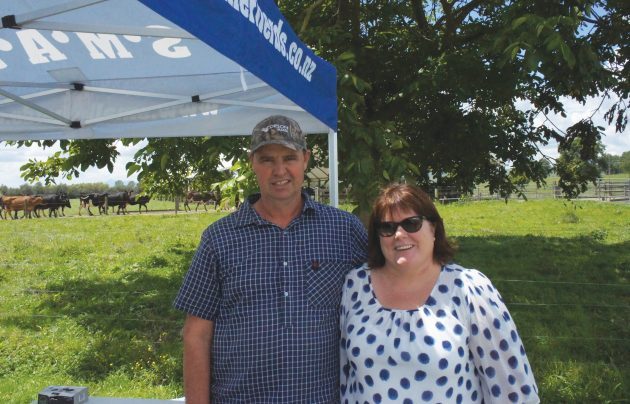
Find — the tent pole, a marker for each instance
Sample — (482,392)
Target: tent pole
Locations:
(333,179)
(34,106)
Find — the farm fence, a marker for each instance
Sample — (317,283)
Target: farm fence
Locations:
(610,190)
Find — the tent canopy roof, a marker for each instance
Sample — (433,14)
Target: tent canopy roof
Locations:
(90,69)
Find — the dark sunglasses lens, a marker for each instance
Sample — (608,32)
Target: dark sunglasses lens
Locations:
(387,229)
(412,224)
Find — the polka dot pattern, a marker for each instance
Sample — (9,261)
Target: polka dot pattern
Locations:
(460,346)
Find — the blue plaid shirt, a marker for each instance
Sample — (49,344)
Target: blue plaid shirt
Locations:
(274,296)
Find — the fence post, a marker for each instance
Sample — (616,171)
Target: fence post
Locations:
(556,191)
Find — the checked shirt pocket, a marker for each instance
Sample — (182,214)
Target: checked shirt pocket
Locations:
(324,281)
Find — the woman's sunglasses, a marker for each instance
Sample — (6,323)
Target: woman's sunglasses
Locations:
(410,225)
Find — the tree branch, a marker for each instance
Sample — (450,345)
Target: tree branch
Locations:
(446,7)
(590,20)
(449,29)
(464,11)
(349,11)
(307,15)
(417,9)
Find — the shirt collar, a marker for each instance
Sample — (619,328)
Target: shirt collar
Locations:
(247,215)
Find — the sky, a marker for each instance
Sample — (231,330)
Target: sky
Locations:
(11,158)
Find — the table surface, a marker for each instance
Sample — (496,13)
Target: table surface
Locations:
(118,400)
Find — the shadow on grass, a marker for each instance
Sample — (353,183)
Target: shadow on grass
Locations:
(129,321)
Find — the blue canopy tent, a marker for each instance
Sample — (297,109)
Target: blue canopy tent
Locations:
(90,69)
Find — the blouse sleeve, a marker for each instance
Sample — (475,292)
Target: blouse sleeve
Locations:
(496,348)
(344,363)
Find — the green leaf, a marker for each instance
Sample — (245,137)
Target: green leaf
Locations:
(413,168)
(512,49)
(346,56)
(397,144)
(359,84)
(132,168)
(554,41)
(531,60)
(164,161)
(519,21)
(567,55)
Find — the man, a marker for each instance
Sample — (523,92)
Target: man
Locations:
(263,291)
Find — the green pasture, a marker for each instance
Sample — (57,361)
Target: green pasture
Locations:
(87,301)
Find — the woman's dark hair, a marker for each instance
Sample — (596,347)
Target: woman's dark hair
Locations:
(406,197)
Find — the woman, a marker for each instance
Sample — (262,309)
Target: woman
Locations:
(416,328)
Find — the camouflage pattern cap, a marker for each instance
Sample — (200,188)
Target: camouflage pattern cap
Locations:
(278,129)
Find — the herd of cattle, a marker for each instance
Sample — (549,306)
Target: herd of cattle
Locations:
(33,205)
(120,200)
(55,204)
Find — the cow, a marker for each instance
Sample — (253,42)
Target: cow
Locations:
(17,203)
(118,199)
(201,198)
(84,202)
(53,202)
(2,215)
(140,200)
(103,201)
(94,199)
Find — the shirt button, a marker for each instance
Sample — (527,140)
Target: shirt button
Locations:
(286,294)
(285,263)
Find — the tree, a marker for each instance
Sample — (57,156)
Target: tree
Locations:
(625,162)
(439,82)
(546,166)
(576,169)
(429,91)
(612,163)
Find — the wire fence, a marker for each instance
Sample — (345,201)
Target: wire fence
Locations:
(610,190)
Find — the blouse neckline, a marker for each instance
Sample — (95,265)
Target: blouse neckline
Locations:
(410,311)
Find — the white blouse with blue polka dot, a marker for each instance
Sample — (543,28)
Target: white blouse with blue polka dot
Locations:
(461,346)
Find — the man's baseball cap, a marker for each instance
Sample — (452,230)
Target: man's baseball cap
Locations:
(278,129)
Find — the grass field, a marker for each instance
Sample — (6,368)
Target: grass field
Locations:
(88,301)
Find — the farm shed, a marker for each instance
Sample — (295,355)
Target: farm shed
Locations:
(90,69)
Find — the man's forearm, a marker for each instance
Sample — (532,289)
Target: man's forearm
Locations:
(196,375)
(197,364)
